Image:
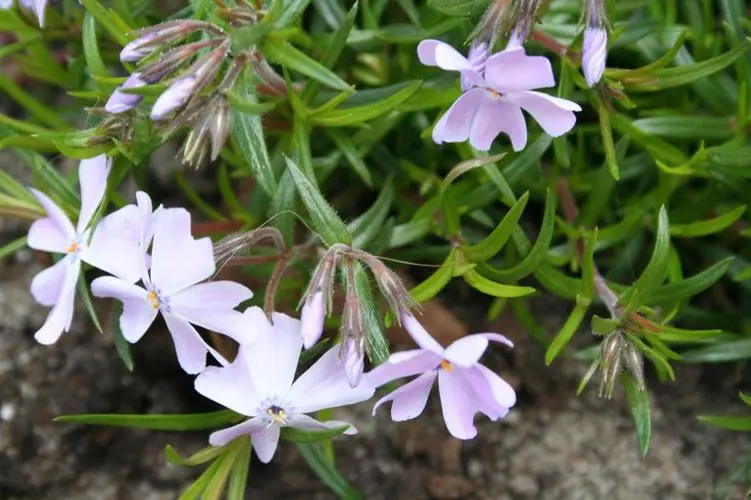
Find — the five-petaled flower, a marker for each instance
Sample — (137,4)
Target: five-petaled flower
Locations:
(111,248)
(172,286)
(466,387)
(498,93)
(260,384)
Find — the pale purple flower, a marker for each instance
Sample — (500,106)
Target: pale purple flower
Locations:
(135,51)
(594,54)
(312,318)
(465,386)
(173,288)
(176,95)
(111,248)
(260,384)
(119,101)
(495,103)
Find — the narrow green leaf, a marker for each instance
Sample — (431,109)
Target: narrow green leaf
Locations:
(83,291)
(94,61)
(377,345)
(177,422)
(200,457)
(490,246)
(569,328)
(325,220)
(366,228)
(38,109)
(302,436)
(121,345)
(459,8)
(195,490)
(689,287)
(654,274)
(729,423)
(215,486)
(248,133)
(433,285)
(288,56)
(489,287)
(116,27)
(468,165)
(348,148)
(638,402)
(745,398)
(705,227)
(721,352)
(327,472)
(10,248)
(238,479)
(352,115)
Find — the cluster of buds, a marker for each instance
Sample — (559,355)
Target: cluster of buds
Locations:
(514,20)
(617,352)
(318,299)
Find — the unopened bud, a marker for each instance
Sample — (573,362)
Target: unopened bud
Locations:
(317,299)
(611,363)
(312,317)
(634,362)
(390,285)
(136,50)
(219,125)
(120,102)
(354,359)
(595,42)
(174,97)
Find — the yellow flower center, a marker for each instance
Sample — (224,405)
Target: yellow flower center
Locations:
(73,248)
(153,299)
(446,365)
(277,415)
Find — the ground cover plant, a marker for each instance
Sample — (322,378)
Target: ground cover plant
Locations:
(364,158)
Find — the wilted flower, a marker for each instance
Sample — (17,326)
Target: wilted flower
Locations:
(466,387)
(212,120)
(112,247)
(495,103)
(595,42)
(173,287)
(260,384)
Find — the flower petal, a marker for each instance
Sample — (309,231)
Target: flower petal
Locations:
(211,306)
(178,260)
(324,385)
(138,313)
(555,115)
(497,337)
(437,53)
(265,442)
(402,364)
(273,357)
(55,232)
(307,423)
(502,392)
(467,350)
(115,246)
(454,125)
(230,386)
(513,70)
(61,315)
(224,436)
(421,337)
(457,405)
(410,399)
(48,283)
(92,176)
(496,116)
(190,348)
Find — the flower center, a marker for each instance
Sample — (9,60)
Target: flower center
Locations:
(73,248)
(153,299)
(276,415)
(446,365)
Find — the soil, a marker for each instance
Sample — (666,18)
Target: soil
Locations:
(553,445)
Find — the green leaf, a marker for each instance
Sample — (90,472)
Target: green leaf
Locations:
(325,220)
(248,133)
(654,273)
(489,287)
(536,255)
(177,422)
(238,479)
(38,109)
(116,27)
(288,56)
(490,246)
(606,131)
(200,457)
(377,345)
(468,165)
(638,402)
(721,352)
(347,115)
(436,282)
(302,436)
(12,247)
(674,292)
(83,290)
(674,77)
(366,228)
(604,326)
(348,148)
(215,486)
(686,127)
(569,328)
(745,398)
(729,423)
(326,471)
(705,227)
(94,61)
(459,8)
(195,490)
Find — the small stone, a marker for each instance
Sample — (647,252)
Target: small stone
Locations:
(7,412)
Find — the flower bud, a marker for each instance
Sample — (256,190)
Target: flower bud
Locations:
(312,317)
(390,285)
(594,54)
(174,97)
(610,351)
(136,50)
(634,362)
(354,360)
(120,102)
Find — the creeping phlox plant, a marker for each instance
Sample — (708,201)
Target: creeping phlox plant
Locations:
(302,112)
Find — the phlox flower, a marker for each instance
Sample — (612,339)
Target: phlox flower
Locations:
(111,248)
(172,286)
(497,94)
(594,54)
(260,384)
(466,387)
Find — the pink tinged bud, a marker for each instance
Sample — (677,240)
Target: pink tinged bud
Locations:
(594,54)
(120,102)
(135,51)
(312,318)
(174,97)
